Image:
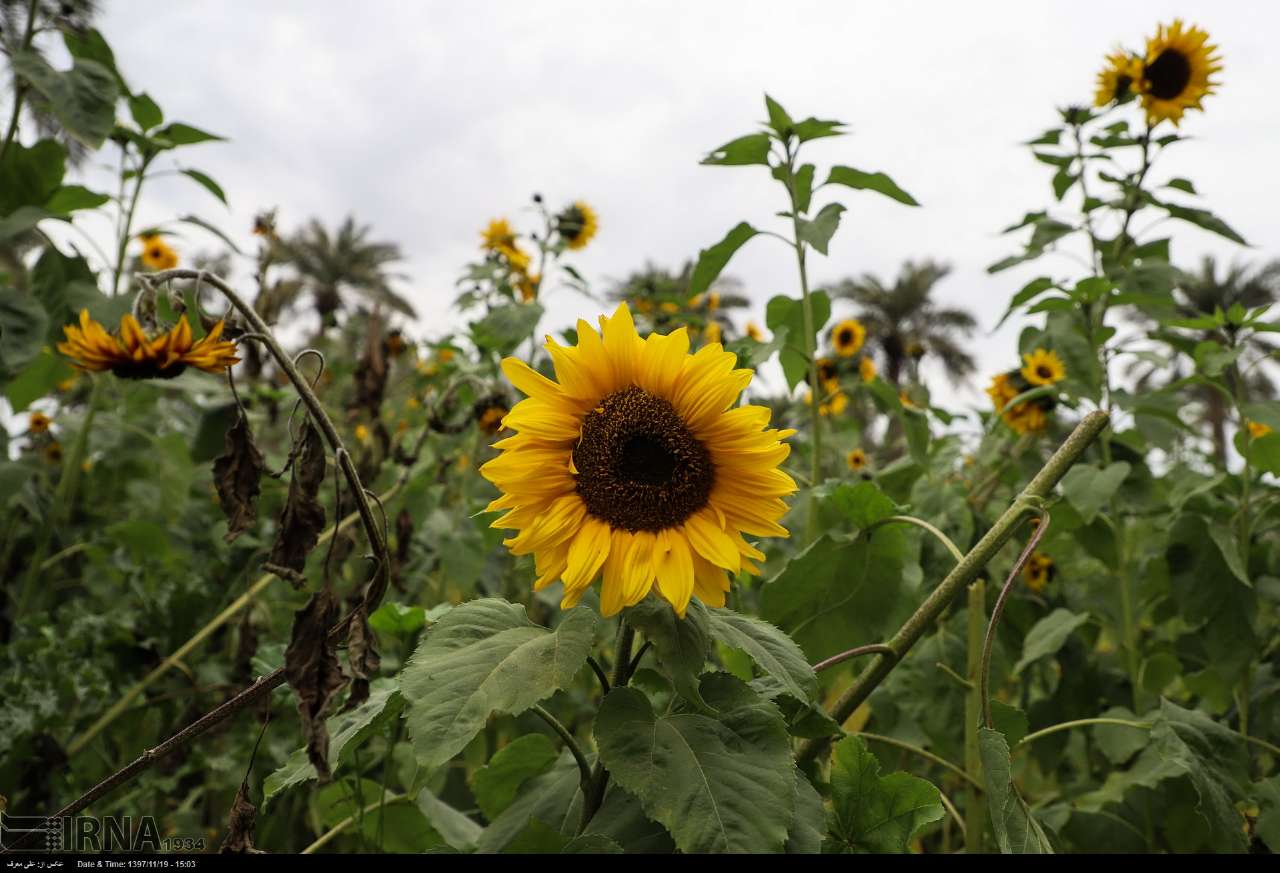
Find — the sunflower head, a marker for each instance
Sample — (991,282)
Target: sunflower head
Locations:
(1038,571)
(1116,81)
(497,235)
(713,332)
(1257,429)
(131,353)
(848,336)
(634,466)
(38,423)
(1177,72)
(1042,367)
(754,331)
(835,403)
(867,369)
(528,285)
(157,254)
(489,412)
(856,459)
(362,433)
(517,259)
(577,225)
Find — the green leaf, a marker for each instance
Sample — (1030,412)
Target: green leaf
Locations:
(1010,721)
(1264,453)
(745,150)
(1048,635)
(145,112)
(486,657)
(816,128)
(1089,487)
(69,198)
(213,229)
(505,327)
(722,784)
(23,325)
(548,799)
(1202,218)
(83,98)
(681,644)
(1181,184)
(397,619)
(860,504)
(779,120)
(497,783)
(818,231)
(712,261)
(787,313)
(37,379)
(178,134)
(207,183)
(1029,292)
(772,650)
(88,45)
(1224,537)
(23,219)
(863,181)
(30,176)
(1117,742)
(804,187)
(1062,182)
(452,824)
(874,813)
(1267,794)
(1016,830)
(809,826)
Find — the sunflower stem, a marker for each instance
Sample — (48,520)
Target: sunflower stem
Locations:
(126,231)
(984,669)
(623,664)
(963,574)
(975,810)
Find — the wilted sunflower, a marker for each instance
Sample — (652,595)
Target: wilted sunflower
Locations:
(1042,367)
(1257,429)
(1118,78)
(577,225)
(157,254)
(856,459)
(38,423)
(636,466)
(867,369)
(131,354)
(848,337)
(1176,72)
(1038,571)
(497,235)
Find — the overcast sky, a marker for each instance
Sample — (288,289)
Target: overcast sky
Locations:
(426,119)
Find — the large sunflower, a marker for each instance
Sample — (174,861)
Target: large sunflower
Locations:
(131,354)
(636,466)
(1118,78)
(577,225)
(1176,73)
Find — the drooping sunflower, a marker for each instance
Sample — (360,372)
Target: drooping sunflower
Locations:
(131,354)
(1038,571)
(157,254)
(848,336)
(856,459)
(577,225)
(867,369)
(497,235)
(1177,71)
(1042,367)
(635,466)
(1117,79)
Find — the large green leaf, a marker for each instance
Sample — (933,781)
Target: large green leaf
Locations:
(551,799)
(495,784)
(809,827)
(23,325)
(874,813)
(864,181)
(1016,829)
(505,327)
(30,176)
(83,98)
(681,644)
(817,231)
(1048,635)
(745,150)
(722,784)
(787,313)
(712,260)
(1088,487)
(772,650)
(481,658)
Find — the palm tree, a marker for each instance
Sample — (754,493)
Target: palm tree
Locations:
(906,323)
(345,261)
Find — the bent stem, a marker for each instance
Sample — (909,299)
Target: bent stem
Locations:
(963,574)
(984,669)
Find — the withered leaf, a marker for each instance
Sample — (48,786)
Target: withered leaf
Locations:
(302,518)
(312,668)
(244,817)
(363,657)
(235,475)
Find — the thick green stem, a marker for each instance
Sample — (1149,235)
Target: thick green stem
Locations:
(964,573)
(975,805)
(593,795)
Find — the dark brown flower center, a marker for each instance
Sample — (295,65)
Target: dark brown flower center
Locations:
(147,370)
(1044,372)
(845,337)
(639,466)
(1123,83)
(1169,74)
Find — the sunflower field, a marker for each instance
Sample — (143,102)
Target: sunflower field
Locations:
(288,567)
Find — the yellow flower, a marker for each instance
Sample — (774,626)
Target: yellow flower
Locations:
(867,369)
(156,253)
(577,225)
(38,422)
(1038,571)
(1257,429)
(713,332)
(528,286)
(131,354)
(497,236)
(835,404)
(362,433)
(1176,74)
(713,301)
(856,459)
(905,399)
(754,331)
(413,403)
(1043,368)
(644,304)
(517,258)
(848,337)
(828,375)
(67,384)
(637,467)
(444,356)
(669,307)
(1001,391)
(489,414)
(1026,418)
(1117,78)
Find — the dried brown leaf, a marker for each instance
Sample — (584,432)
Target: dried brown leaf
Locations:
(363,657)
(302,518)
(235,475)
(244,818)
(312,668)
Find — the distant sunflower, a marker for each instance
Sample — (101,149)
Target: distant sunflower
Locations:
(867,369)
(1043,367)
(132,354)
(1024,418)
(1177,71)
(856,459)
(713,333)
(517,258)
(577,225)
(636,466)
(828,375)
(38,423)
(835,403)
(497,235)
(1117,79)
(528,285)
(1257,429)
(754,331)
(157,254)
(1038,571)
(848,337)
(489,413)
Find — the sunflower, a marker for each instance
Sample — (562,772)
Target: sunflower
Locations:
(867,369)
(1038,571)
(527,285)
(1043,368)
(828,375)
(1176,72)
(635,466)
(497,235)
(1027,418)
(38,423)
(517,258)
(1257,429)
(131,354)
(835,404)
(577,225)
(754,331)
(362,433)
(1030,417)
(856,459)
(848,337)
(156,253)
(713,332)
(1117,78)
(489,413)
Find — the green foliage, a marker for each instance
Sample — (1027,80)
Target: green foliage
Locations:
(874,813)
